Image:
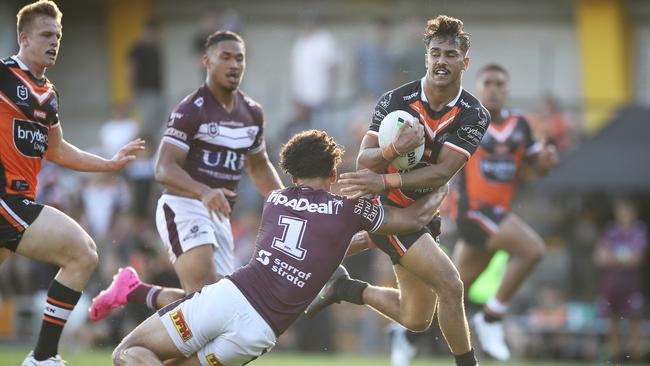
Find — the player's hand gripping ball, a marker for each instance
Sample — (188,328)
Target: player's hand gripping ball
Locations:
(388,133)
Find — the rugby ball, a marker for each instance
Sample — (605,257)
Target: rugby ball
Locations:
(388,129)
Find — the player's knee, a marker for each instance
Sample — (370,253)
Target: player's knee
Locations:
(117,355)
(86,257)
(416,323)
(452,288)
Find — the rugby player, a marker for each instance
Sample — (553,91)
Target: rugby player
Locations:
(485,221)
(30,131)
(239,318)
(212,135)
(452,123)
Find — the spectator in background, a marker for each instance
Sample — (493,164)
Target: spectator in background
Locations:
(620,254)
(314,63)
(552,126)
(118,130)
(375,65)
(145,77)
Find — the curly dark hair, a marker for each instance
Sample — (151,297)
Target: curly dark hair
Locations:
(310,154)
(446,27)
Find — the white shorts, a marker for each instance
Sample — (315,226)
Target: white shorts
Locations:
(219,325)
(184,223)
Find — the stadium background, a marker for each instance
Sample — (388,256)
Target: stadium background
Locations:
(592,57)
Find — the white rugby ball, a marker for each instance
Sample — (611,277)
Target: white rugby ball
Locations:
(388,129)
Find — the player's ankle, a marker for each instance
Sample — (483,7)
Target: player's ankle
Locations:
(466,359)
(350,290)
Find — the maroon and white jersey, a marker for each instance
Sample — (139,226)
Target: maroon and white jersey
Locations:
(303,237)
(216,140)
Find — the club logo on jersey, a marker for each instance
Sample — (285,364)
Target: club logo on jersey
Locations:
(54,103)
(181,325)
(385,101)
(213,360)
(21,92)
(251,132)
(263,257)
(213,129)
(30,138)
(483,118)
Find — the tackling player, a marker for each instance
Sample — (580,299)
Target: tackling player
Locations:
(239,318)
(30,131)
(452,122)
(485,222)
(212,135)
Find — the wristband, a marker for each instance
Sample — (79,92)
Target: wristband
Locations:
(390,153)
(393,180)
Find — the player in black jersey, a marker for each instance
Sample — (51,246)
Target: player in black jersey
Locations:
(452,122)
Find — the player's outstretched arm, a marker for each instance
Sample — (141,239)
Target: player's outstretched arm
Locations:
(416,216)
(259,168)
(69,156)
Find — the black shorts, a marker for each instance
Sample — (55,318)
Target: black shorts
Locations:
(475,227)
(397,245)
(16,214)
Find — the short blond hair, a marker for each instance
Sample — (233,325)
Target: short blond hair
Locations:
(28,13)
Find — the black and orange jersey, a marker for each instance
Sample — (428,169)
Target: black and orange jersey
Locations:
(28,109)
(490,176)
(459,126)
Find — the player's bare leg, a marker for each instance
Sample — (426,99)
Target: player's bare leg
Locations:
(412,304)
(4,254)
(470,261)
(427,261)
(196,268)
(525,248)
(57,239)
(148,344)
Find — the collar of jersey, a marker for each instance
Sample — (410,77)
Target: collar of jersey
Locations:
(423,96)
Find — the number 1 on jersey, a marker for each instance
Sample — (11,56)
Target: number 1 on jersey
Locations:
(289,243)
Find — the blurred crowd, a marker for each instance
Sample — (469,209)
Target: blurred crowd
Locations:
(562,310)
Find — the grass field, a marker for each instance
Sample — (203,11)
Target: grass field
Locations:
(13,356)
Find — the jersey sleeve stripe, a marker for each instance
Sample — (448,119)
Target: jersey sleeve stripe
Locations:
(258,149)
(534,149)
(380,219)
(458,149)
(175,142)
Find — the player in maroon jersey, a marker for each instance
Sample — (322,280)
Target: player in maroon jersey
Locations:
(304,234)
(213,135)
(452,123)
(30,131)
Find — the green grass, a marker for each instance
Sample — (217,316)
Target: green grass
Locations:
(13,356)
